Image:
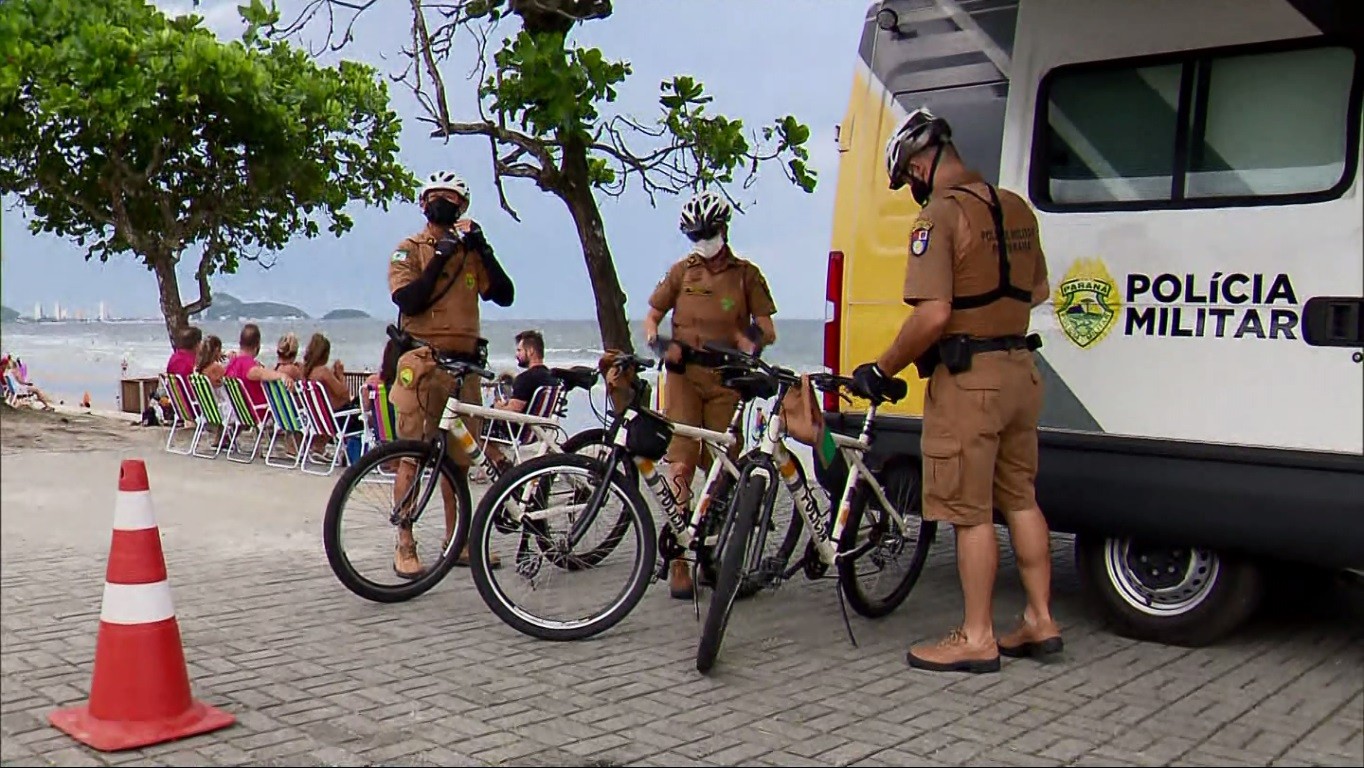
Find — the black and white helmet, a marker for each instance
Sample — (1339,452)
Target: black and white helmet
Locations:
(706,210)
(922,129)
(448,181)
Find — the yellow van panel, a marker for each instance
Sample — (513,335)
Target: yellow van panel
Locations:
(871,227)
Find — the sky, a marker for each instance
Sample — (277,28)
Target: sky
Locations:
(760,59)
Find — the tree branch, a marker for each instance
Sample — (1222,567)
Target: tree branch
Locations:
(539,148)
(201,275)
(423,39)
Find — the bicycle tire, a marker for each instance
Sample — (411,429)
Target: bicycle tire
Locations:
(485,520)
(893,478)
(734,549)
(331,522)
(794,527)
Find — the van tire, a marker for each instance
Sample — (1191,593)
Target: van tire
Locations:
(1199,595)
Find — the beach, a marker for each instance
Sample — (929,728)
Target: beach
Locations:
(69,359)
(314,675)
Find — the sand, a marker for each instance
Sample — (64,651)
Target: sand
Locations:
(59,480)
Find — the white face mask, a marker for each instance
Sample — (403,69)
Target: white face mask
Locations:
(707,248)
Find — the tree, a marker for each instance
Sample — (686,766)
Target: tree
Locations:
(540,109)
(133,132)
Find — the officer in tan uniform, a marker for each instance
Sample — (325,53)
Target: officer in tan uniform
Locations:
(975,270)
(714,296)
(437,277)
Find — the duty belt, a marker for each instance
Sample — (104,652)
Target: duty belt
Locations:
(999,343)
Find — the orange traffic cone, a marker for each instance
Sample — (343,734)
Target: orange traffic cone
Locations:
(140,693)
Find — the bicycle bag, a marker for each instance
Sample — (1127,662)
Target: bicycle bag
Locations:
(648,434)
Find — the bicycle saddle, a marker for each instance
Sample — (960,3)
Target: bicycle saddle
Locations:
(577,377)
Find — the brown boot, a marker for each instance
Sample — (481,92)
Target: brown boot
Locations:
(405,561)
(679,580)
(494,562)
(954,653)
(1032,640)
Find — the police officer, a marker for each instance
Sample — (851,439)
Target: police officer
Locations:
(975,269)
(714,296)
(436,278)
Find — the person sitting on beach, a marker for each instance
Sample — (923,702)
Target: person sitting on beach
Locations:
(530,355)
(287,352)
(21,386)
(247,368)
(186,351)
(210,364)
(333,377)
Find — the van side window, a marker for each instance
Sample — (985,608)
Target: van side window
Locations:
(1235,127)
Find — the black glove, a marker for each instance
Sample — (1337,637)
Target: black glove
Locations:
(871,382)
(448,242)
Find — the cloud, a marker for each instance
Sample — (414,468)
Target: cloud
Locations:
(220,16)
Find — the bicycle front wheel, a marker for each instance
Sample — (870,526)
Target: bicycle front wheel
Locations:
(733,552)
(879,561)
(575,570)
(392,486)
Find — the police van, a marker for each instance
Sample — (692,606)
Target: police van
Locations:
(1195,171)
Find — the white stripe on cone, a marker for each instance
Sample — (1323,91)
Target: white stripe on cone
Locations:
(133,511)
(137,603)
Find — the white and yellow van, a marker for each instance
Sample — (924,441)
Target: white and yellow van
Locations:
(1195,169)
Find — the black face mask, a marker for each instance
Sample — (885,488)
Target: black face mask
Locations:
(922,190)
(442,212)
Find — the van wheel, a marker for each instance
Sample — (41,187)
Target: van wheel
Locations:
(1171,594)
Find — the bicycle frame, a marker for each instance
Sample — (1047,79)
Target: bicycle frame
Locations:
(851,449)
(718,444)
(452,426)
(452,423)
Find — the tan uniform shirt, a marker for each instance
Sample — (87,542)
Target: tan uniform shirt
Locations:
(713,304)
(452,323)
(952,253)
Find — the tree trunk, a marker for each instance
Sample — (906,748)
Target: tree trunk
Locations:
(576,192)
(172,310)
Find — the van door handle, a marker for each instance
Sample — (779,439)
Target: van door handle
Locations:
(1334,321)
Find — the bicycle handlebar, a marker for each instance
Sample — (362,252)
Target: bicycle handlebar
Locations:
(633,361)
(753,362)
(447,361)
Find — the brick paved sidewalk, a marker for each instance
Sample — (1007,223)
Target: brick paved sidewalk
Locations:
(317,676)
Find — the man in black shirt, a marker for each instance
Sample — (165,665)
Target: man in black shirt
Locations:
(530,355)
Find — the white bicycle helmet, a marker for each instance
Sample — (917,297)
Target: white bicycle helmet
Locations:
(448,181)
(920,130)
(705,210)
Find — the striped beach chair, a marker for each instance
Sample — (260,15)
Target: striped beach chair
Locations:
(289,417)
(325,423)
(378,415)
(184,411)
(209,413)
(248,416)
(379,427)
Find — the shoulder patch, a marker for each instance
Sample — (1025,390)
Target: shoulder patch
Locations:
(399,255)
(918,237)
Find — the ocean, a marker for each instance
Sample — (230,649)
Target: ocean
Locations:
(67,359)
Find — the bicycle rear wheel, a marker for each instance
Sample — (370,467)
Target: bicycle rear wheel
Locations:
(391,503)
(879,562)
(552,544)
(734,542)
